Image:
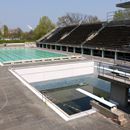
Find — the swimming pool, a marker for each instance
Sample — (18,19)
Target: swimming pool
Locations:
(18,54)
(55,84)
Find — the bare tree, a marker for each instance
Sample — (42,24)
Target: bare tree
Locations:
(76,18)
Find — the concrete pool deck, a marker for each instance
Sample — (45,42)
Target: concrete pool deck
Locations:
(20,109)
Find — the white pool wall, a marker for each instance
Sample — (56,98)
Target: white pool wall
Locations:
(45,73)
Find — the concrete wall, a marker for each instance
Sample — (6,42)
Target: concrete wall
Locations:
(111,54)
(119,93)
(114,114)
(44,73)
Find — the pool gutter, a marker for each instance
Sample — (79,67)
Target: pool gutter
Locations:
(73,57)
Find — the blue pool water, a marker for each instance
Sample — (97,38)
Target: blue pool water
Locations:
(18,54)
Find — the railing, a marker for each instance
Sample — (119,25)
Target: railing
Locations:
(114,72)
(111,16)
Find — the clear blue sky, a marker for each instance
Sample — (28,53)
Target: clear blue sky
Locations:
(19,13)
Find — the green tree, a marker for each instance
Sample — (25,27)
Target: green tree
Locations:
(45,25)
(122,14)
(0,35)
(5,31)
(19,32)
(28,36)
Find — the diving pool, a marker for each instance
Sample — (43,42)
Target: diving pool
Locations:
(62,92)
(55,84)
(19,54)
(58,86)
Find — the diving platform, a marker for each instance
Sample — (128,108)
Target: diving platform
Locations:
(119,77)
(124,5)
(110,77)
(114,73)
(101,100)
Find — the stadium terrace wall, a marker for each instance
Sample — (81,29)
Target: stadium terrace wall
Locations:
(91,51)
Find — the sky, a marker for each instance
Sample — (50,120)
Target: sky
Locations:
(20,13)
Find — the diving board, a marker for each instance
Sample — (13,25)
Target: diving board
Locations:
(101,100)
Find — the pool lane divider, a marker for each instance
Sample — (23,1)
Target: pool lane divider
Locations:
(53,106)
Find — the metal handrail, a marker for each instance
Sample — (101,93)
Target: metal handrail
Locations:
(113,72)
(110,15)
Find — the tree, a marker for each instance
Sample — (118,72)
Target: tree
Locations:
(19,32)
(0,35)
(122,14)
(45,25)
(28,36)
(15,33)
(76,18)
(5,31)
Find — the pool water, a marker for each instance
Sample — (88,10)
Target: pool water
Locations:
(69,100)
(63,92)
(18,54)
(91,80)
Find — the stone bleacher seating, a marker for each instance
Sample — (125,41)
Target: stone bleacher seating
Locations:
(79,35)
(58,34)
(111,37)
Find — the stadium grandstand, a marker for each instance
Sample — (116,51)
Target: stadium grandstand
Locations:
(106,39)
